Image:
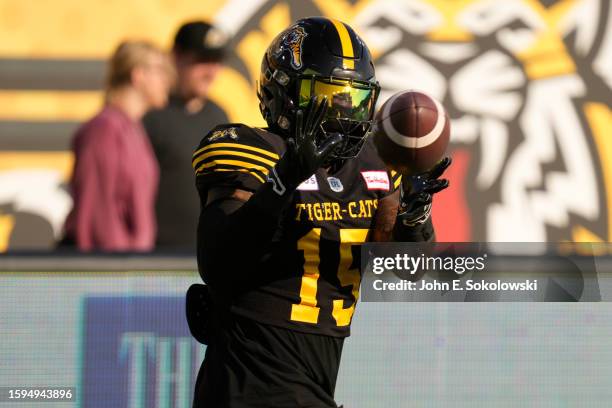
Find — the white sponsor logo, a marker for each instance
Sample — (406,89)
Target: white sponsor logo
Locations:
(376,180)
(309,185)
(335,184)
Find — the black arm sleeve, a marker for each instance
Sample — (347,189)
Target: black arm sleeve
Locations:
(233,235)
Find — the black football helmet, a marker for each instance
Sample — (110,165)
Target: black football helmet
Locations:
(324,57)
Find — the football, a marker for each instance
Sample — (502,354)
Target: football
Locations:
(411,132)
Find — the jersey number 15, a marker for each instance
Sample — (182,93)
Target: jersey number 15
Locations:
(307,310)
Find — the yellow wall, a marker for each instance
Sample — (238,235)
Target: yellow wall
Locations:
(91,28)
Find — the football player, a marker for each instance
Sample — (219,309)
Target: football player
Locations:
(284,210)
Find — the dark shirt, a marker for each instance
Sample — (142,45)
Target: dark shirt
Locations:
(175,134)
(113,185)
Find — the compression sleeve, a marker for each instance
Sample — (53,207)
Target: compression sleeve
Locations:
(233,235)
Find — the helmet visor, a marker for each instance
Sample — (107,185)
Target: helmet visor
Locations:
(346,99)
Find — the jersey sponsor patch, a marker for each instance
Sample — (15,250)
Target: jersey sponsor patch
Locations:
(309,184)
(376,180)
(335,184)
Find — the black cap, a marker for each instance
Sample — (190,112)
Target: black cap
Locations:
(204,40)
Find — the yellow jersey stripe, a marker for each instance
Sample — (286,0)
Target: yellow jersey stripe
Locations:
(232,153)
(347,45)
(239,146)
(252,173)
(239,163)
(397,182)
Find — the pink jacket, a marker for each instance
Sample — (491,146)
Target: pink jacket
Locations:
(114,185)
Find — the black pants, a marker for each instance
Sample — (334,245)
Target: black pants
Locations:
(249,364)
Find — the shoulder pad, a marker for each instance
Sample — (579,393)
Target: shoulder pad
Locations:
(234,152)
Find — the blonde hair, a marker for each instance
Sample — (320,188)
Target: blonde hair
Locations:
(127,56)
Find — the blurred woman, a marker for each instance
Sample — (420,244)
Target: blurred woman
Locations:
(114,183)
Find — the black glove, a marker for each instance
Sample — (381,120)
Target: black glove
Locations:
(304,156)
(416,194)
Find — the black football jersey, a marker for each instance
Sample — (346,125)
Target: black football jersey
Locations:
(309,280)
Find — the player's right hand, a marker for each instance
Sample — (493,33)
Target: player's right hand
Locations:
(305,152)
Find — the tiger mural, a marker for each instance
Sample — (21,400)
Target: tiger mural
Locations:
(526,83)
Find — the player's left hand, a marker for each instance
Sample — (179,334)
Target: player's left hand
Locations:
(416,193)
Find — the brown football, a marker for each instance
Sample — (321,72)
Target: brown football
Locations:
(411,132)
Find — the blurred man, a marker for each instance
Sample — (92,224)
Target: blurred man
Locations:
(176,130)
(115,175)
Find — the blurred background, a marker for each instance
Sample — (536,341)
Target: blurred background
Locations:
(527,84)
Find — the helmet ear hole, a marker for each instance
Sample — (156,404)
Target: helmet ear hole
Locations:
(266,101)
(267,94)
(272,103)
